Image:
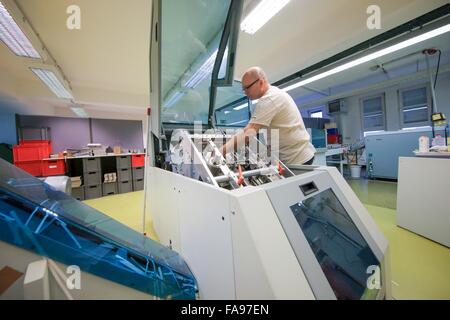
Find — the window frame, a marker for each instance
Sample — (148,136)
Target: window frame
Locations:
(401,106)
(381,95)
(311,112)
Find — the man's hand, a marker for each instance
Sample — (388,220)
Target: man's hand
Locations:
(250,130)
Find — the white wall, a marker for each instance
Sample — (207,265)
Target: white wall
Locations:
(350,125)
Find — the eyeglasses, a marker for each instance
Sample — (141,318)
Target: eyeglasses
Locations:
(250,85)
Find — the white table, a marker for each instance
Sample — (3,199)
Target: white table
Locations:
(432,154)
(422,197)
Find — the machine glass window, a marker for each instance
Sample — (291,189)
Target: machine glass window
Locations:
(343,254)
(189,49)
(232,106)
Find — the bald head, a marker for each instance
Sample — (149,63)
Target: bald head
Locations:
(255,83)
(255,73)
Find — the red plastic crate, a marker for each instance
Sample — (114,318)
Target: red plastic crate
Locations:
(25,153)
(32,150)
(137,160)
(45,145)
(332,139)
(36,143)
(32,167)
(53,167)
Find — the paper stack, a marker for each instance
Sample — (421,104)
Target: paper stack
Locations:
(76,182)
(110,177)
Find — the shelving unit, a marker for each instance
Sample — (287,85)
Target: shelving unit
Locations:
(93,169)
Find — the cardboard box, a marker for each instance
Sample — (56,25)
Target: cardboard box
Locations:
(75,182)
(117,150)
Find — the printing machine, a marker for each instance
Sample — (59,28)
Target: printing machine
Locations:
(247,225)
(252,228)
(241,225)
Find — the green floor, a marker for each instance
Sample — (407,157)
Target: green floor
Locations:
(420,267)
(126,208)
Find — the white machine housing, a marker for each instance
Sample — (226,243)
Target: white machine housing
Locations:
(245,243)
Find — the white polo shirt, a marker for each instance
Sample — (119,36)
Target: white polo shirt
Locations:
(277,110)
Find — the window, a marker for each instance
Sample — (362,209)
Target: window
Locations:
(414,107)
(316,114)
(372,112)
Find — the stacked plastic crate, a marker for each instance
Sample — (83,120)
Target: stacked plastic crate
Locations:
(138,165)
(332,133)
(28,155)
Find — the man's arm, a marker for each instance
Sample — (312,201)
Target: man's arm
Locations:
(236,141)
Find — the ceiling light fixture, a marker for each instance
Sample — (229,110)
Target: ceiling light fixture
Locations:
(79,111)
(261,14)
(372,56)
(13,36)
(52,82)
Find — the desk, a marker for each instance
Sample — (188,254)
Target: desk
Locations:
(422,197)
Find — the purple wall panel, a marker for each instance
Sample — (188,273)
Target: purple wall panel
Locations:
(125,133)
(65,133)
(74,133)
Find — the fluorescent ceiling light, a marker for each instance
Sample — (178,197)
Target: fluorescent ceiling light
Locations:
(13,37)
(242,106)
(204,71)
(52,82)
(226,111)
(372,56)
(79,112)
(174,99)
(262,13)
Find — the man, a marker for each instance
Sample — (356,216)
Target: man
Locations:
(275,110)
